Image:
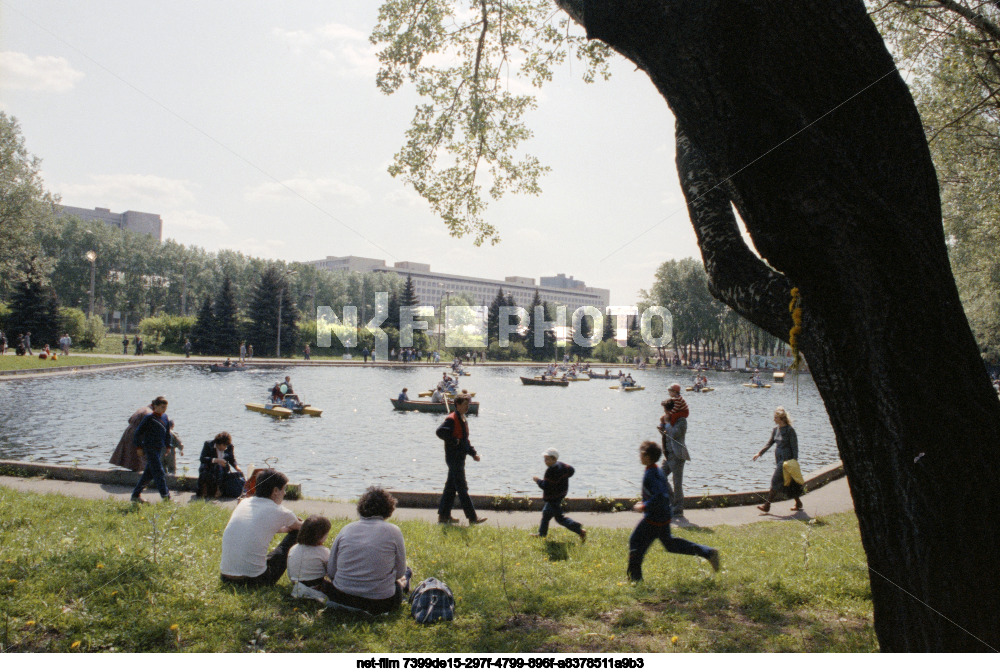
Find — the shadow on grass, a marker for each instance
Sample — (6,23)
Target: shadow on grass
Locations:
(557,550)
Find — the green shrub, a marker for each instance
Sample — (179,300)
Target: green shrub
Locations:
(168,330)
(93,332)
(72,321)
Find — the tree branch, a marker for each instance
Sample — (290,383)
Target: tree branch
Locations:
(737,277)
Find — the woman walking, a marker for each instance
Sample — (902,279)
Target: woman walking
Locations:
(786,447)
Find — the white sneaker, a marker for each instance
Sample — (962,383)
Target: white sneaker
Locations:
(300,590)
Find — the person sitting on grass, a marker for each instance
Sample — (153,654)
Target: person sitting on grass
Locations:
(255,521)
(367,565)
(655,524)
(307,559)
(554,487)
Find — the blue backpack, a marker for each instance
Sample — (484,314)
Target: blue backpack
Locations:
(432,601)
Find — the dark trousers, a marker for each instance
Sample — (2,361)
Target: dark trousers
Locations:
(554,510)
(210,477)
(277,561)
(645,534)
(153,472)
(456,484)
(363,603)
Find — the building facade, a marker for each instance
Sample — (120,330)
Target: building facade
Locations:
(432,287)
(130,220)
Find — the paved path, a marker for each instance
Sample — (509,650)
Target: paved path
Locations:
(831,498)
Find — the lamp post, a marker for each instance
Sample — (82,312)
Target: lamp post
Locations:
(92,258)
(444,304)
(281,297)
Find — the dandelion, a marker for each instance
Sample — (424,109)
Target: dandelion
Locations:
(75,645)
(611,637)
(100,565)
(113,593)
(29,623)
(174,627)
(12,581)
(673,640)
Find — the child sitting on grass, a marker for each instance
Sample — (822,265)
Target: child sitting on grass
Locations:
(554,487)
(308,557)
(655,524)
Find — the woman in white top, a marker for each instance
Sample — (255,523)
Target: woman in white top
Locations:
(367,562)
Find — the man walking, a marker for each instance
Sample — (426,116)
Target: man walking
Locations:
(187,347)
(454,431)
(153,436)
(27,343)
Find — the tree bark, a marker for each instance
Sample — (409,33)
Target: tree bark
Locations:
(794,113)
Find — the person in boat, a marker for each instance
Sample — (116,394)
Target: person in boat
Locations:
(454,431)
(628,381)
(402,396)
(276,394)
(228,363)
(287,386)
(438,396)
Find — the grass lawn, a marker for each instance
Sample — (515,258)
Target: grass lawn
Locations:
(14,363)
(81,575)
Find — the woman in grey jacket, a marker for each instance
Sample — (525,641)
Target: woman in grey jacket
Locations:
(786,447)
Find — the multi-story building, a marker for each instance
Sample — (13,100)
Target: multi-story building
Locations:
(432,287)
(130,220)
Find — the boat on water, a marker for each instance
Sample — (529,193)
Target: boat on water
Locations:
(603,376)
(450,395)
(577,379)
(627,388)
(289,405)
(431,406)
(752,385)
(548,381)
(701,389)
(221,368)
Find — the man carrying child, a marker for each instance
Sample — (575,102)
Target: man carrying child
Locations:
(554,487)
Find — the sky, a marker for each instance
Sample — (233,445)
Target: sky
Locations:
(257,126)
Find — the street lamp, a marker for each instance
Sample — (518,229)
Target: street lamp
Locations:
(281,297)
(444,304)
(92,258)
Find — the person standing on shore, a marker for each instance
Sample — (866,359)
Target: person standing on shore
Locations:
(786,447)
(187,347)
(243,351)
(125,344)
(27,343)
(454,431)
(127,453)
(250,352)
(673,428)
(153,436)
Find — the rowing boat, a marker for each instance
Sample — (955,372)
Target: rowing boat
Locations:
(219,368)
(450,395)
(627,388)
(703,389)
(431,406)
(539,381)
(752,385)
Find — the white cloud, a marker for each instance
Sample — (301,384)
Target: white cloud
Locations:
(191,221)
(149,193)
(342,48)
(312,189)
(255,247)
(41,73)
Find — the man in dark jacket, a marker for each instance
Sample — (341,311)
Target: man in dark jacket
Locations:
(153,436)
(217,458)
(554,487)
(454,431)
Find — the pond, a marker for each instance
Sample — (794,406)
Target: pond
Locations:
(360,440)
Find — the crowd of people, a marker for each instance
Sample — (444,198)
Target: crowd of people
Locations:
(365,566)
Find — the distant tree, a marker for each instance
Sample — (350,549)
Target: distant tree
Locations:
(25,205)
(493,316)
(271,292)
(393,319)
(537,354)
(34,307)
(227,326)
(409,296)
(203,333)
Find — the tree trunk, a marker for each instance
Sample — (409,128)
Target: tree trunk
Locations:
(794,112)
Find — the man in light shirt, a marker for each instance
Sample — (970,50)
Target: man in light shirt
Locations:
(255,521)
